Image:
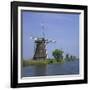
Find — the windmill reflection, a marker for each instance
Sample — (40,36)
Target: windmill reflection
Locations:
(40,70)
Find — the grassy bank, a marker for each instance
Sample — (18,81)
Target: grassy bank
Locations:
(44,62)
(41,62)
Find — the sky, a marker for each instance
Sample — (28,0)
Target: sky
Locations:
(61,27)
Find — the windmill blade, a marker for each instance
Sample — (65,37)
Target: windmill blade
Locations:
(52,41)
(33,38)
(43,34)
(42,25)
(43,28)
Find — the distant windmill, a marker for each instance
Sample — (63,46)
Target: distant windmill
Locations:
(40,51)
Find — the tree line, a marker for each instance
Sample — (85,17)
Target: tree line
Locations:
(58,55)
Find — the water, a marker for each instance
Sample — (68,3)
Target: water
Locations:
(68,68)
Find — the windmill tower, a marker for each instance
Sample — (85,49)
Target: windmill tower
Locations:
(40,51)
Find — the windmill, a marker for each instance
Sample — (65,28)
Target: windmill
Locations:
(40,51)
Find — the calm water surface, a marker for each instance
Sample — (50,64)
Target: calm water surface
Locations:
(67,68)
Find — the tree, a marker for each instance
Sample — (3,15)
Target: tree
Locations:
(58,54)
(71,57)
(67,57)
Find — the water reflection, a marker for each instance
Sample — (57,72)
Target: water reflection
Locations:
(40,70)
(67,68)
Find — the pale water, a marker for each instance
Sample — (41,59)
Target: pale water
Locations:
(67,68)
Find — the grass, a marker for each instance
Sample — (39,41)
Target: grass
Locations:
(42,62)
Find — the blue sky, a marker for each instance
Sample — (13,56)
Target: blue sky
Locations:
(62,27)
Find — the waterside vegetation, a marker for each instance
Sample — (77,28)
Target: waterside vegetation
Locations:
(58,59)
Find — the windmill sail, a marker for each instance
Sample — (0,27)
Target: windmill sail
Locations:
(43,29)
(40,51)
